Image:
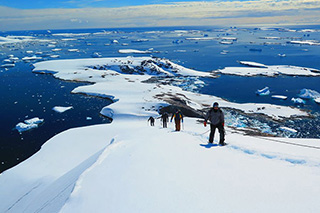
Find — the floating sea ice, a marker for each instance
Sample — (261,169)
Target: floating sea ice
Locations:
(252,64)
(224,52)
(281,97)
(317,100)
(73,50)
(61,109)
(287,129)
(31,58)
(226,42)
(96,55)
(264,91)
(7,65)
(35,120)
(89,118)
(298,101)
(22,127)
(309,94)
(29,124)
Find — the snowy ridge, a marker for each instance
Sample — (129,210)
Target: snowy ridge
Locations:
(155,169)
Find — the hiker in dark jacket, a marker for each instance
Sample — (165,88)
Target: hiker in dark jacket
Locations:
(216,118)
(164,118)
(177,118)
(151,119)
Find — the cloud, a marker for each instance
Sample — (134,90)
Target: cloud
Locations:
(258,12)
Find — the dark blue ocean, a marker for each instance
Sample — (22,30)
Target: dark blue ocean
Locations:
(26,95)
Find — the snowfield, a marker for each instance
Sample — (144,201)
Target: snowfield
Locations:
(129,166)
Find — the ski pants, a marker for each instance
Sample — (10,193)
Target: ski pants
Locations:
(164,124)
(221,132)
(177,122)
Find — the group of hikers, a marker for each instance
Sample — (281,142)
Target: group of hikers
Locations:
(214,117)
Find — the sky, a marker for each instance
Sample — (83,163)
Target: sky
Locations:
(73,14)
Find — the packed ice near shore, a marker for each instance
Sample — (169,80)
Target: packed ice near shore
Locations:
(128,165)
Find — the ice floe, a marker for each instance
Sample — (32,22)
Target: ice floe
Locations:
(203,39)
(61,109)
(287,129)
(32,58)
(264,91)
(306,42)
(266,70)
(29,124)
(127,51)
(252,64)
(281,97)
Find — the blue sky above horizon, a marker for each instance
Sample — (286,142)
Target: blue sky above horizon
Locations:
(66,14)
(68,4)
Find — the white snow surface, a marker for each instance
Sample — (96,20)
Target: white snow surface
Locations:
(128,166)
(131,167)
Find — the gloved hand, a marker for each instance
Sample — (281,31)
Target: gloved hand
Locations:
(182,121)
(223,124)
(205,124)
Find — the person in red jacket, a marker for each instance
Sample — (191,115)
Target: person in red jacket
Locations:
(216,118)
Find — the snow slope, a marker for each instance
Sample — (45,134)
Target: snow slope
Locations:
(129,166)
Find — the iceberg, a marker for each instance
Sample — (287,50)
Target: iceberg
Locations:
(309,94)
(298,101)
(264,91)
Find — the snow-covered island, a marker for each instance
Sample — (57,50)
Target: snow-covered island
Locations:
(255,69)
(128,166)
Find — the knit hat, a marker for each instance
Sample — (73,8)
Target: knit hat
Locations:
(215,104)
